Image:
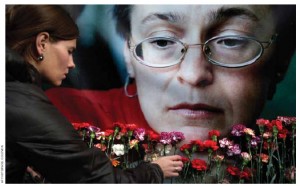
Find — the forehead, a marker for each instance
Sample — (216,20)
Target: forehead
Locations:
(200,14)
(66,43)
(203,10)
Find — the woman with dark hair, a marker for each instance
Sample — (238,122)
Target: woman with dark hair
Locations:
(37,135)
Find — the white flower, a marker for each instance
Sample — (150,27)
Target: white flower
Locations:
(118,149)
(168,149)
(161,148)
(246,156)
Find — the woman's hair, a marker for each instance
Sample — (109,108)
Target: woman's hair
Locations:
(285,16)
(18,69)
(25,22)
(121,13)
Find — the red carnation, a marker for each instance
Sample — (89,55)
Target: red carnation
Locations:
(185,148)
(282,134)
(197,145)
(210,144)
(80,125)
(278,124)
(108,132)
(262,122)
(119,127)
(199,164)
(246,173)
(131,127)
(184,159)
(153,136)
(232,170)
(213,134)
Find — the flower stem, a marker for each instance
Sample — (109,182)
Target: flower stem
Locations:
(92,136)
(258,180)
(279,161)
(250,153)
(293,147)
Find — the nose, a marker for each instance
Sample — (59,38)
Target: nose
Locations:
(71,63)
(194,69)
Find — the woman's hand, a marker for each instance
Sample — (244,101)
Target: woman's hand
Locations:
(170,165)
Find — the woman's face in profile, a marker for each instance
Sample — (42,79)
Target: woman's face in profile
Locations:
(196,96)
(58,60)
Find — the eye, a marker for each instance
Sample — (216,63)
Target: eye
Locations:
(232,42)
(162,43)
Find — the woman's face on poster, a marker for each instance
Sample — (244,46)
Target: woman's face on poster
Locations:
(196,96)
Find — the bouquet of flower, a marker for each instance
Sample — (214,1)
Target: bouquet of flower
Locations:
(242,157)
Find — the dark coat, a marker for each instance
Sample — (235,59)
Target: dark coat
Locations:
(38,135)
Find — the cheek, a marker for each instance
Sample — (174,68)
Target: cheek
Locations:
(151,82)
(151,87)
(63,59)
(59,67)
(247,94)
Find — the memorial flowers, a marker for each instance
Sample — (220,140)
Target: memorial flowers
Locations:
(265,153)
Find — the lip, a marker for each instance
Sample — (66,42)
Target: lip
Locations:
(195,111)
(65,76)
(66,73)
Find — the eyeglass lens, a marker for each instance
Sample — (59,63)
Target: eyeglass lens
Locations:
(223,50)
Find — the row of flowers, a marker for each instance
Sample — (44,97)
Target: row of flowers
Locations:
(241,157)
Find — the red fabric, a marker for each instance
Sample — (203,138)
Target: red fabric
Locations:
(100,108)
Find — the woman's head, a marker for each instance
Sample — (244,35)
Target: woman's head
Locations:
(195,95)
(45,35)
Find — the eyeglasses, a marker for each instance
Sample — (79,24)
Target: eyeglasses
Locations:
(227,51)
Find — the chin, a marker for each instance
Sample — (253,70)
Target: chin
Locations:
(57,83)
(195,133)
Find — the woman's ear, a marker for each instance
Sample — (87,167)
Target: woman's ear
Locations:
(128,61)
(41,41)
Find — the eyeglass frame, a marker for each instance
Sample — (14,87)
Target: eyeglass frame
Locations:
(186,47)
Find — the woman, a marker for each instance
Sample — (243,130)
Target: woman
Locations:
(185,80)
(36,133)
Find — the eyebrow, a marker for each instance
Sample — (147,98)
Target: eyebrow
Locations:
(223,14)
(171,17)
